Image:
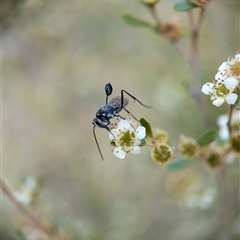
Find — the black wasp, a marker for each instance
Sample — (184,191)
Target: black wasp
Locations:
(111,110)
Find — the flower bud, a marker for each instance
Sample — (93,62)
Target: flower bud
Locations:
(201,3)
(161,136)
(187,147)
(162,154)
(173,30)
(235,142)
(150,2)
(213,157)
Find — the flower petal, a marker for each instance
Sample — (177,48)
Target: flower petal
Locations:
(136,150)
(137,142)
(218,102)
(219,77)
(237,57)
(207,88)
(223,133)
(124,124)
(231,83)
(141,132)
(113,134)
(223,66)
(222,120)
(231,98)
(118,152)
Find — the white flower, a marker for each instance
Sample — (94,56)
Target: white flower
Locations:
(200,198)
(126,138)
(26,191)
(225,86)
(23,195)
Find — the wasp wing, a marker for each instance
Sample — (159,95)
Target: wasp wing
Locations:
(116,102)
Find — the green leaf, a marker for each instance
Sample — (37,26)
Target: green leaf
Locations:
(184,6)
(134,21)
(148,127)
(237,103)
(143,142)
(207,137)
(178,164)
(112,143)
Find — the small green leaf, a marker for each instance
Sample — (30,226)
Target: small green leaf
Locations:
(207,137)
(134,21)
(178,164)
(237,107)
(184,6)
(148,127)
(237,103)
(143,142)
(112,143)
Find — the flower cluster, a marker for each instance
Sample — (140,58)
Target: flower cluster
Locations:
(225,86)
(161,152)
(126,137)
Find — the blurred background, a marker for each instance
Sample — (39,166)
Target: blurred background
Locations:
(57,57)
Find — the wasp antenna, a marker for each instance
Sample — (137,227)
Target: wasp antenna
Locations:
(108,91)
(94,134)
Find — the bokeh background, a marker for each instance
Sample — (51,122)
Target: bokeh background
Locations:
(57,57)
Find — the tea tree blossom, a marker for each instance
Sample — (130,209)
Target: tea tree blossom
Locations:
(226,83)
(126,137)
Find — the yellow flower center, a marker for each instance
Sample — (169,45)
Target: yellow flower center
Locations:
(235,70)
(222,90)
(127,139)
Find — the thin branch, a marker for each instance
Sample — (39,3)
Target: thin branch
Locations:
(25,211)
(155,16)
(181,49)
(192,58)
(194,63)
(230,113)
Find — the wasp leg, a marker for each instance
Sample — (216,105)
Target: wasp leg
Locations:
(135,99)
(130,114)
